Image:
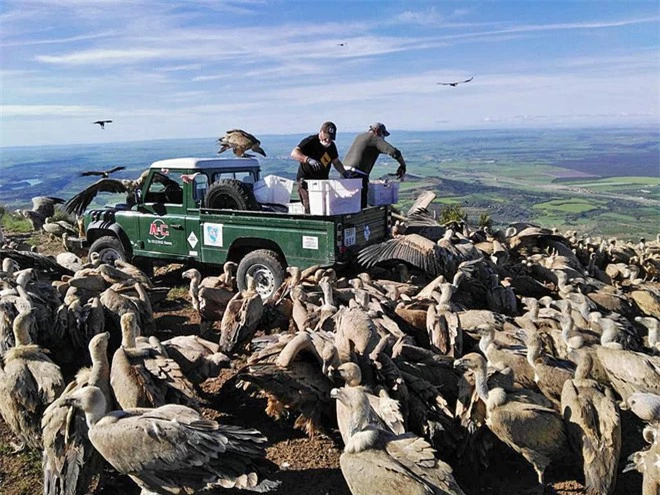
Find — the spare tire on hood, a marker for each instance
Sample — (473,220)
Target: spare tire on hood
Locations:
(230,194)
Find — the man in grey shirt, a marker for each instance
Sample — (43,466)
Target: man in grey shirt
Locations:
(363,153)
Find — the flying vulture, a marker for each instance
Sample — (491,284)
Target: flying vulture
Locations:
(455,83)
(104,173)
(102,123)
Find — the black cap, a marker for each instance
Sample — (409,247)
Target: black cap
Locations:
(330,129)
(380,128)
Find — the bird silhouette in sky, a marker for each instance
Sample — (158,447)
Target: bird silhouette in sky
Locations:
(102,123)
(342,44)
(455,83)
(103,173)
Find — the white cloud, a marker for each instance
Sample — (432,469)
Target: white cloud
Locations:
(103,57)
(45,110)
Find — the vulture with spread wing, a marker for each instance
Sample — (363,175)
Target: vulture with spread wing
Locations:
(413,248)
(455,83)
(103,173)
(240,142)
(81,201)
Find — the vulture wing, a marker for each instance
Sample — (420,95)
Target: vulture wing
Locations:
(29,259)
(115,169)
(413,248)
(81,201)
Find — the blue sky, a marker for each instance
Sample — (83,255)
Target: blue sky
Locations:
(164,69)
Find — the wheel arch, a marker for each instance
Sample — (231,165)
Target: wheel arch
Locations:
(245,245)
(113,230)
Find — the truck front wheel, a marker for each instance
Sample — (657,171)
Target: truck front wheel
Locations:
(267,269)
(109,249)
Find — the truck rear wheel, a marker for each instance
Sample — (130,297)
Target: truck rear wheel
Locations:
(230,194)
(109,249)
(267,269)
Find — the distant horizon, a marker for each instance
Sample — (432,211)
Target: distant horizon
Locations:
(391,138)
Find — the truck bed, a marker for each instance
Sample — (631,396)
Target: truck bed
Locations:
(304,240)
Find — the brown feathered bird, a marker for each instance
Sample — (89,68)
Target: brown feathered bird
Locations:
(240,142)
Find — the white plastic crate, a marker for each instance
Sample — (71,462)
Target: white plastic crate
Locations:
(382,193)
(334,197)
(296,208)
(273,189)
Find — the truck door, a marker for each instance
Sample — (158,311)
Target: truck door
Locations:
(162,216)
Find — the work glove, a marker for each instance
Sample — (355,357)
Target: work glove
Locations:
(400,172)
(316,165)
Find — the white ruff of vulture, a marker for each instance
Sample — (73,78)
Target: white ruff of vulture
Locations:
(240,141)
(173,449)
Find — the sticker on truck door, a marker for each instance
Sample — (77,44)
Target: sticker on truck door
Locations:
(213,234)
(310,242)
(349,236)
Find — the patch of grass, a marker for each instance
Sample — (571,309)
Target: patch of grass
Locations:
(177,293)
(566,206)
(15,224)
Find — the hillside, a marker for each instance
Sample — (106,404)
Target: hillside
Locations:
(303,462)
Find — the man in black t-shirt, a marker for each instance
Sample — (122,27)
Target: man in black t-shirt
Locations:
(315,154)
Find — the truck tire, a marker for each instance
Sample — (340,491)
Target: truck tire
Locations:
(267,269)
(109,249)
(230,194)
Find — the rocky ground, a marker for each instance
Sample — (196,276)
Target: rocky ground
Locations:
(306,466)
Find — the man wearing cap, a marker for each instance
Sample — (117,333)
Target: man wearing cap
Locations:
(316,153)
(363,153)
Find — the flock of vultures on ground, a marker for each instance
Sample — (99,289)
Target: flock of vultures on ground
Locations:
(443,338)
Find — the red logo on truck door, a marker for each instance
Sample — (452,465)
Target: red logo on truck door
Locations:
(159,229)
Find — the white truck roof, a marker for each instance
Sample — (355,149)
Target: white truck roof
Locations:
(203,163)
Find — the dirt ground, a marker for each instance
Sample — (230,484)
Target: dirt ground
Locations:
(305,466)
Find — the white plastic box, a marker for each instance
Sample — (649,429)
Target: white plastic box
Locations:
(296,208)
(334,197)
(382,193)
(273,189)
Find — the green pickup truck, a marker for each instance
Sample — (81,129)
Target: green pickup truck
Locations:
(203,211)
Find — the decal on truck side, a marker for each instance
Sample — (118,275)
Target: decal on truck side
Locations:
(160,231)
(310,242)
(213,234)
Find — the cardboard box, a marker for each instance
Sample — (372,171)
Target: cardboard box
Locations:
(273,189)
(382,193)
(334,197)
